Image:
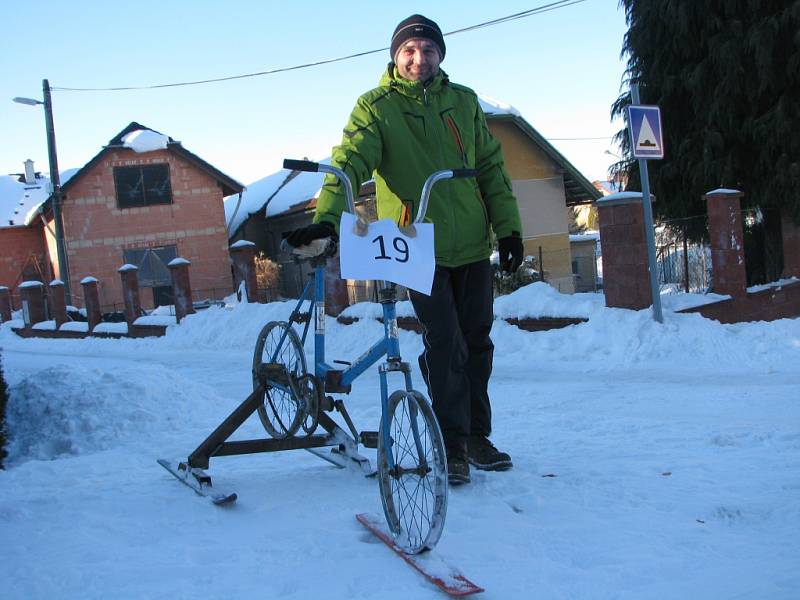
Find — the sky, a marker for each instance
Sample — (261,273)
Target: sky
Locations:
(651,461)
(561,69)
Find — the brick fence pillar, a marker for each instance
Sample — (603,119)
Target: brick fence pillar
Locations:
(91,301)
(32,297)
(626,276)
(181,288)
(129,274)
(336,296)
(243,256)
(5,304)
(729,275)
(791,245)
(58,302)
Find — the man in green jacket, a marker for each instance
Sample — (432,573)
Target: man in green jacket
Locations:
(414,123)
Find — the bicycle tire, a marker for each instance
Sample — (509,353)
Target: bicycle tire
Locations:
(281,411)
(414,493)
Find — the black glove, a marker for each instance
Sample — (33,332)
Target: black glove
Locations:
(510,250)
(305,235)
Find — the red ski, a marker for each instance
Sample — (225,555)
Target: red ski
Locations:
(444,576)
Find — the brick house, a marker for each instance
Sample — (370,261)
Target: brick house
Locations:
(22,248)
(545,183)
(142,204)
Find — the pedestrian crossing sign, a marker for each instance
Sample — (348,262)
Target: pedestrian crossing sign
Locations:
(644,124)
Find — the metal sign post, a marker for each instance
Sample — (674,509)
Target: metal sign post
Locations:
(644,123)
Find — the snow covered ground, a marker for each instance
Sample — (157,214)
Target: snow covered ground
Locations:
(650,461)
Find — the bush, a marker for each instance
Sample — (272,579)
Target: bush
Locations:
(268,274)
(505,283)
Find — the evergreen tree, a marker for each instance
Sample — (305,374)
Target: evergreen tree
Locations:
(726,74)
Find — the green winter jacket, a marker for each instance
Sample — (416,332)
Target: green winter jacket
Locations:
(401,132)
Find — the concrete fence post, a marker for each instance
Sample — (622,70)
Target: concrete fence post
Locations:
(32,297)
(129,274)
(91,301)
(5,304)
(626,276)
(243,257)
(181,287)
(58,302)
(729,274)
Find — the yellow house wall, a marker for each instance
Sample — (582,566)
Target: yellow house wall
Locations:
(539,187)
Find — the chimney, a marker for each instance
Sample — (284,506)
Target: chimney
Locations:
(30,174)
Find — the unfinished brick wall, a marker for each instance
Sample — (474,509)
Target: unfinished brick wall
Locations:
(17,245)
(98,231)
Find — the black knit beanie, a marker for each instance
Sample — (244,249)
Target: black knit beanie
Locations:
(416,26)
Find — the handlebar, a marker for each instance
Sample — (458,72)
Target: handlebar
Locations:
(314,167)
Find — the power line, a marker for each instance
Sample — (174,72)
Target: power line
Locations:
(527,13)
(579,139)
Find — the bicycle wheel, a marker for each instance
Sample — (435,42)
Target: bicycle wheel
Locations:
(414,491)
(278,347)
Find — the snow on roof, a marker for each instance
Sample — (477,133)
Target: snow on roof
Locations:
(607,187)
(276,192)
(491,106)
(145,140)
(19,201)
(588,235)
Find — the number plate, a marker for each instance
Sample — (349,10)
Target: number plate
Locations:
(387,253)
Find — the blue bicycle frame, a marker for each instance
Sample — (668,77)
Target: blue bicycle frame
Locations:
(388,346)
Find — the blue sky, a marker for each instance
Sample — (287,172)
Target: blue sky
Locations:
(561,69)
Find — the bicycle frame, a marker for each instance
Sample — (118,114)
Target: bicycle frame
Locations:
(341,380)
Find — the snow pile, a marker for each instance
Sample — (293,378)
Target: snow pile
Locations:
(72,410)
(145,140)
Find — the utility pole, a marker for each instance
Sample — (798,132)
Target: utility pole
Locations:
(55,178)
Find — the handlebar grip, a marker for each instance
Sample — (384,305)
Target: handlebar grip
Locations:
(300,165)
(461,173)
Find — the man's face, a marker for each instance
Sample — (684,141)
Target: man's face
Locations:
(418,60)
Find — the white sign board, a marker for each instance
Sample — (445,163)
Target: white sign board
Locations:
(647,139)
(386,253)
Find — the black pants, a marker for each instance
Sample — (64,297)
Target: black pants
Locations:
(457,361)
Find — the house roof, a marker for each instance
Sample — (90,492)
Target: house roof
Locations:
(228,184)
(20,200)
(578,189)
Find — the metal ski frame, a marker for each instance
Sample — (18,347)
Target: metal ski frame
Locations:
(345,446)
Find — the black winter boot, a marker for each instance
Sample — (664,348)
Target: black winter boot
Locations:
(457,463)
(483,455)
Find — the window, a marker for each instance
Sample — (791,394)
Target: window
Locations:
(142,185)
(152,263)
